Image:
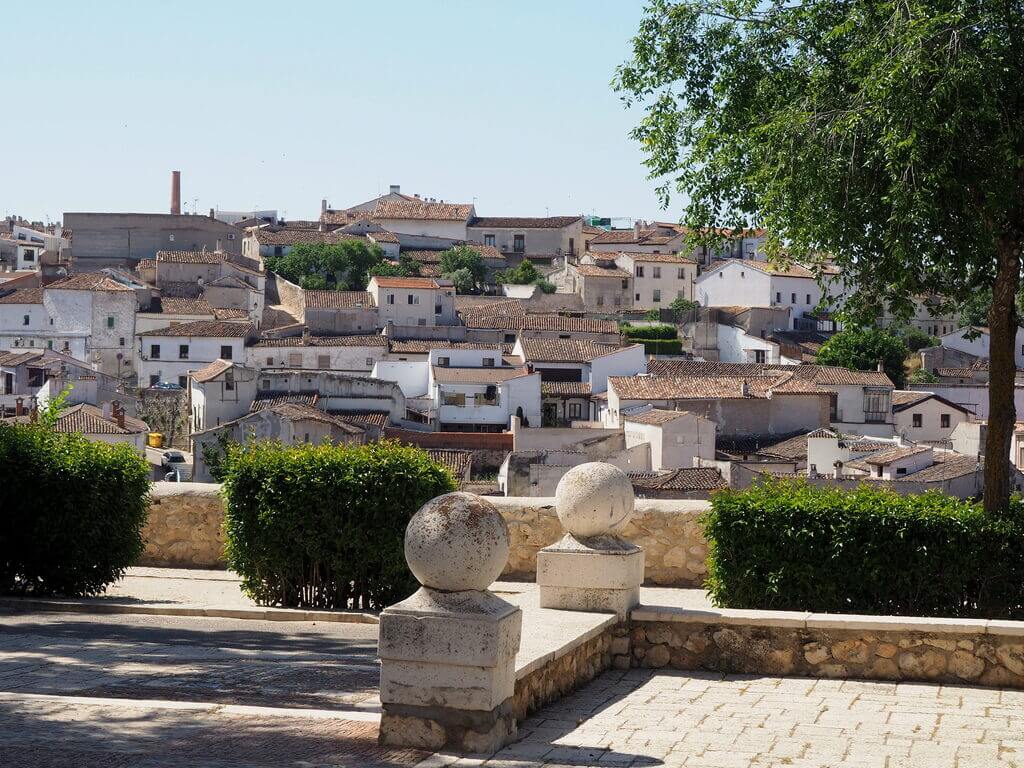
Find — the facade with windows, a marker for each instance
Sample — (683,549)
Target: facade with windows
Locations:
(346,354)
(546,237)
(926,417)
(413,301)
(658,279)
(168,355)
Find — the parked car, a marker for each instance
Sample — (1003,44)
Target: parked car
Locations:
(168,385)
(172,459)
(178,469)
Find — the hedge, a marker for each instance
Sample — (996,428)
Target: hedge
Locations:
(646,332)
(788,545)
(324,526)
(660,346)
(71,511)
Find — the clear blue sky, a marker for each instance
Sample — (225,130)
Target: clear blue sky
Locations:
(277,105)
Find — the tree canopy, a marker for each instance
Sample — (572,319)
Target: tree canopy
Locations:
(406,266)
(863,350)
(887,134)
(524,273)
(342,266)
(459,261)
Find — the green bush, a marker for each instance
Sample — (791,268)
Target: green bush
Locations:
(660,346)
(916,339)
(546,286)
(324,526)
(645,332)
(71,512)
(792,546)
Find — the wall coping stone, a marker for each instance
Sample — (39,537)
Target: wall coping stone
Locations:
(163,489)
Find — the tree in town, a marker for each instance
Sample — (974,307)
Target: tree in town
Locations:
(680,304)
(462,259)
(462,279)
(863,350)
(524,273)
(406,266)
(340,266)
(886,134)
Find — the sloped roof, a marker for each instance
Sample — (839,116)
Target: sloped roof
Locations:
(358,340)
(89,281)
(421,210)
(293,411)
(289,236)
(89,420)
(447,375)
(211,328)
(708,387)
(691,479)
(565,350)
(23,296)
(458,462)
(190,257)
(211,371)
(338,300)
(524,222)
(827,375)
(592,270)
(270,398)
(179,305)
(655,417)
(565,388)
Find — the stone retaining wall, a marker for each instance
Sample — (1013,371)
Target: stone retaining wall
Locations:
(923,651)
(675,551)
(184,526)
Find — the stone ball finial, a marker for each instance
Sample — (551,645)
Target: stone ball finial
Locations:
(594,499)
(457,542)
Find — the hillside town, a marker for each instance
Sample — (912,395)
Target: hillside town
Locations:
(513,348)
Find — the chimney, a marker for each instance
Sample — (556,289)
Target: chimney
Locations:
(395,189)
(305,335)
(176,192)
(744,389)
(637,227)
(881,367)
(323,205)
(220,246)
(212,216)
(19,406)
(118,413)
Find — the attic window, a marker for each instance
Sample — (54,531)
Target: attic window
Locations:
(170,238)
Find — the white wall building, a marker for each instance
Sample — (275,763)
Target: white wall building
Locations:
(658,278)
(424,218)
(978,345)
(925,416)
(346,354)
(170,354)
(413,301)
(678,439)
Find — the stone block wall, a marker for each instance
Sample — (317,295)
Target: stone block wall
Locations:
(841,651)
(675,551)
(184,526)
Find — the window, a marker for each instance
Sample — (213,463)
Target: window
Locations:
(413,298)
(759,356)
(437,309)
(636,297)
(110,321)
(154,380)
(488,362)
(369,362)
(600,300)
(743,273)
(808,299)
(30,255)
(295,359)
(225,351)
(444,362)
(391,298)
(657,296)
(618,301)
(917,420)
(455,398)
(682,273)
(572,245)
(120,342)
(24,320)
(778,297)
(901,470)
(270,361)
(720,275)
(510,338)
(183,351)
(421,321)
(67,346)
(154,351)
(265,384)
(944,421)
(183,381)
(519,243)
(625,284)
(876,405)
(575,411)
(489,240)
(49,344)
(278,250)
(229,381)
(639,271)
(323,361)
(170,238)
(231,235)
(792,298)
(656,272)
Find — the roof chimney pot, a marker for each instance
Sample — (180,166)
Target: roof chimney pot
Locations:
(396,189)
(323,205)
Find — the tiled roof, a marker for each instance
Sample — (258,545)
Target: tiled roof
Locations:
(524,222)
(793,449)
(145,264)
(789,270)
(511,320)
(458,462)
(658,258)
(224,313)
(12,358)
(211,371)
(691,479)
(565,388)
(383,237)
(946,466)
(651,236)
(89,420)
(379,419)
(423,346)
(406,209)
(268,399)
(707,387)
(359,340)
(176,305)
(344,218)
(564,350)
(465,303)
(405,282)
(211,328)
(903,399)
(447,375)
(822,432)
(655,417)
(279,236)
(89,281)
(23,296)
(895,454)
(190,257)
(293,411)
(827,375)
(338,300)
(592,270)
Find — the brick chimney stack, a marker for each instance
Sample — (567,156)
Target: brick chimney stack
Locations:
(19,406)
(118,413)
(176,192)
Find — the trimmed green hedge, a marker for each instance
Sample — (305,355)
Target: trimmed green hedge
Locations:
(71,512)
(645,332)
(324,526)
(791,546)
(660,346)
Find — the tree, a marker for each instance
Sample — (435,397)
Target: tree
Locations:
(463,257)
(887,134)
(863,350)
(524,273)
(463,280)
(340,266)
(406,267)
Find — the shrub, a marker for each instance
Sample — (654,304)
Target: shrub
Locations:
(71,514)
(644,332)
(792,546)
(661,346)
(323,526)
(922,376)
(916,339)
(546,286)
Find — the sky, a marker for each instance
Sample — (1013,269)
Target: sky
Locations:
(277,105)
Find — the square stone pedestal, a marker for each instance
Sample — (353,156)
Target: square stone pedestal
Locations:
(602,573)
(448,670)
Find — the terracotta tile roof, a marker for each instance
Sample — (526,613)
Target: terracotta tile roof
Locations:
(211,371)
(565,388)
(338,300)
(650,236)
(822,432)
(356,340)
(279,236)
(655,417)
(12,358)
(513,320)
(524,222)
(211,328)
(145,264)
(789,270)
(89,420)
(383,237)
(691,479)
(176,305)
(564,350)
(707,387)
(229,314)
(903,399)
(792,449)
(293,411)
(446,375)
(946,466)
(344,218)
(464,303)
(23,296)
(819,374)
(458,462)
(895,454)
(424,211)
(592,270)
(658,258)
(190,257)
(423,346)
(405,282)
(89,281)
(378,419)
(270,398)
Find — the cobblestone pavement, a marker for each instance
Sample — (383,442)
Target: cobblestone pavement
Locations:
(650,718)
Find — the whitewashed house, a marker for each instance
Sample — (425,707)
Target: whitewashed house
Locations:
(355,354)
(678,439)
(413,301)
(925,416)
(424,218)
(168,355)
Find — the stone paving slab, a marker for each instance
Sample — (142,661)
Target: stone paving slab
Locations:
(649,718)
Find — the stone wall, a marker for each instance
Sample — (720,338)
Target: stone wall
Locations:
(921,651)
(675,551)
(184,526)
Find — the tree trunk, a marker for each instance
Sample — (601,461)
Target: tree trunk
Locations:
(1002,323)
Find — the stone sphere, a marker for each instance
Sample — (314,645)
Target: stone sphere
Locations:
(594,499)
(457,542)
